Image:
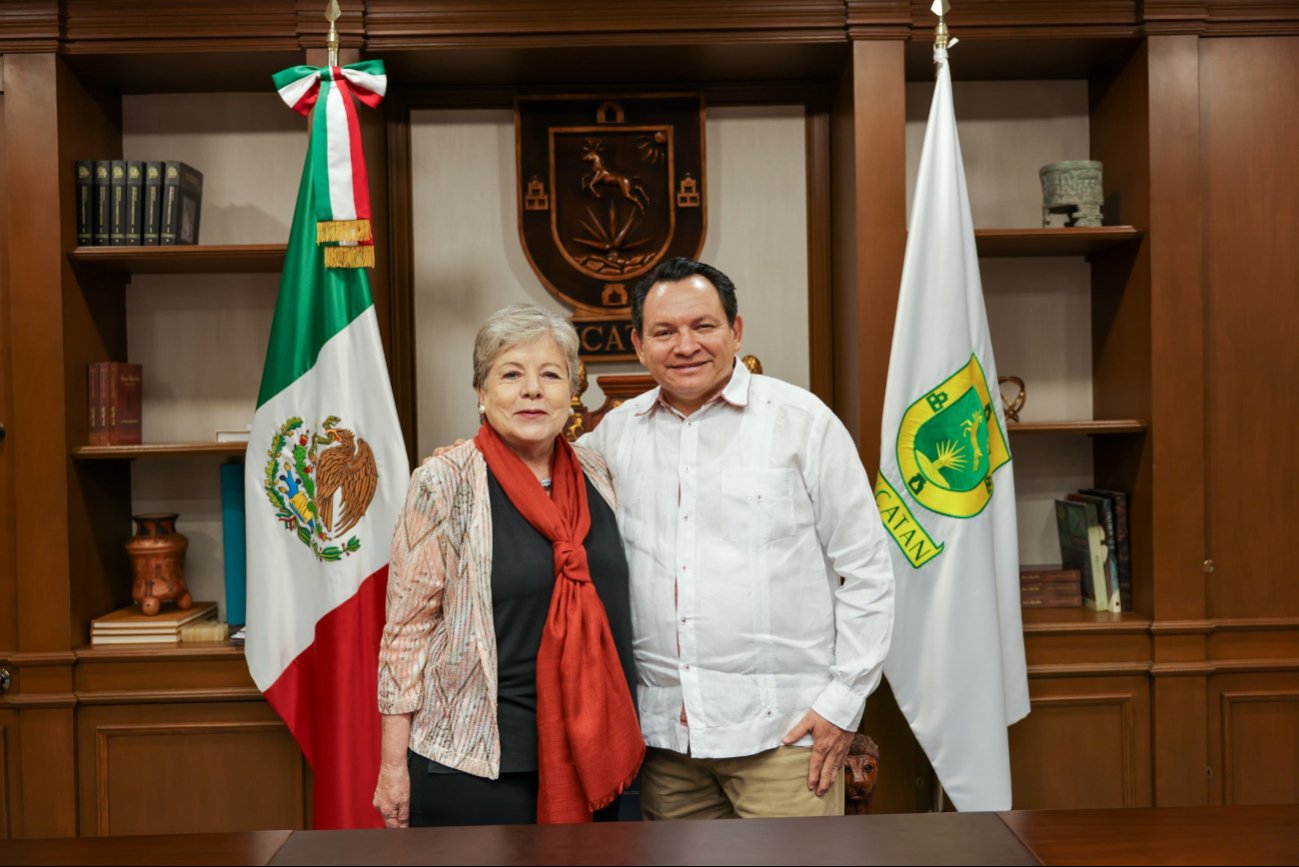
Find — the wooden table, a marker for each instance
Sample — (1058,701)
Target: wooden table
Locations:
(1165,835)
(1183,835)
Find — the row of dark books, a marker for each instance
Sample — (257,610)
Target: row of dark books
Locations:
(124,203)
(116,392)
(1092,525)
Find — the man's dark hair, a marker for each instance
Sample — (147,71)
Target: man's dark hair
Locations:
(679,269)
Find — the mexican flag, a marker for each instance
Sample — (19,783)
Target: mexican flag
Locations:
(326,473)
(946,493)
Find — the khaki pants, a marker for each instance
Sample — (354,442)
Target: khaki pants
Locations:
(769,784)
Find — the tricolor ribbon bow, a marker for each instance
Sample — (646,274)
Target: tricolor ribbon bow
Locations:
(334,153)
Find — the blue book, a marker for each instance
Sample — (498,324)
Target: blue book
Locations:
(234,542)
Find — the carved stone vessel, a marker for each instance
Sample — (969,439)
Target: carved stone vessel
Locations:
(1074,189)
(157,555)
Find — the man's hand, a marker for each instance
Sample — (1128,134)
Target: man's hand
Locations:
(829,749)
(441,450)
(392,796)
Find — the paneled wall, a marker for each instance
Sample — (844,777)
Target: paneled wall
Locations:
(469,261)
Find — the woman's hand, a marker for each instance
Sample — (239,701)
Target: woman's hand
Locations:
(392,792)
(392,795)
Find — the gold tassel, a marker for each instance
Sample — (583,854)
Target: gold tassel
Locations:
(349,257)
(338,231)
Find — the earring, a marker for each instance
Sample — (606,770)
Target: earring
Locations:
(482,410)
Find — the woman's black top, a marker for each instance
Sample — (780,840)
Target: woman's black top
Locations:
(523,579)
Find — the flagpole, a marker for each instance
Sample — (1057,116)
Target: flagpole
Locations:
(942,41)
(332,13)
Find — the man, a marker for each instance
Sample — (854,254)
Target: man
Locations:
(742,501)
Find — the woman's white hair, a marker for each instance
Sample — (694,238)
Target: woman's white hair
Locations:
(521,323)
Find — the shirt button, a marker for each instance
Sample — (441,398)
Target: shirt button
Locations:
(683,620)
(686,666)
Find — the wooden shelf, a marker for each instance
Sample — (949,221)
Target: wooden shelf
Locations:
(190,259)
(1076,428)
(1053,241)
(1060,621)
(158,450)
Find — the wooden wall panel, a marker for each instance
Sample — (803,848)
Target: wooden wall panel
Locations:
(1084,744)
(1254,738)
(1251,182)
(8,550)
(166,769)
(1177,339)
(7,778)
(869,165)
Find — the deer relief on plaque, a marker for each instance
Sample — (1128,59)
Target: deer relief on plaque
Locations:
(609,186)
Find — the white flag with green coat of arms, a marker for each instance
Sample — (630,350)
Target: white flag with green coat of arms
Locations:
(947,495)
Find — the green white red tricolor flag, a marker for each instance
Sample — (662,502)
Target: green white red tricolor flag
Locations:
(326,470)
(335,160)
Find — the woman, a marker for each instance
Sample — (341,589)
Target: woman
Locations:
(505,665)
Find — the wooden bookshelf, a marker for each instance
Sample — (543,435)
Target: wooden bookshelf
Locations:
(187,259)
(1086,427)
(1011,243)
(1058,621)
(158,450)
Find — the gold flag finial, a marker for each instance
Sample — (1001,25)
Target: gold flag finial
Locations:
(332,13)
(942,40)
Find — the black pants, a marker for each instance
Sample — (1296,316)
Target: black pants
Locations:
(463,799)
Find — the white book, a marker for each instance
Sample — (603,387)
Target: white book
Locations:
(134,639)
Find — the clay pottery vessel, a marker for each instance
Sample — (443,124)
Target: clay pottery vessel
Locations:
(157,554)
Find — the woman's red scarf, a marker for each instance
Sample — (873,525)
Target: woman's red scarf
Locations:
(589,745)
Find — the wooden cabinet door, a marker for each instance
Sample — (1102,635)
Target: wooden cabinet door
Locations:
(1249,137)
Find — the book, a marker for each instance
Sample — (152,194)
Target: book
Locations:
(103,195)
(152,210)
(169,619)
(1119,499)
(101,400)
(205,630)
(1082,547)
(1065,586)
(92,402)
(134,639)
(233,541)
(125,395)
(1037,572)
(1057,600)
(85,203)
(134,202)
(1105,515)
(117,204)
(182,198)
(1047,576)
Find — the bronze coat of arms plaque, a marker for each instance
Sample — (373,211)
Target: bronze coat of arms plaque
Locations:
(609,186)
